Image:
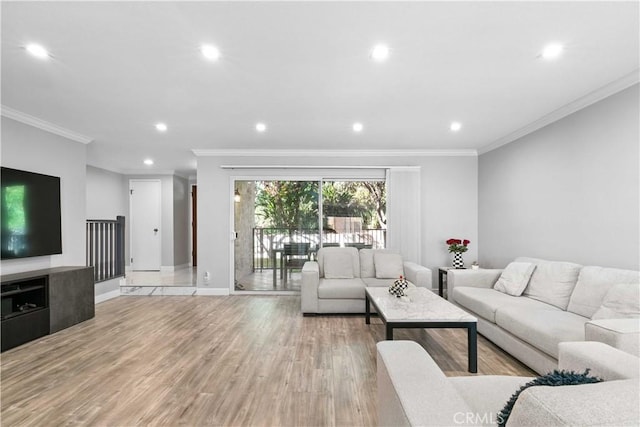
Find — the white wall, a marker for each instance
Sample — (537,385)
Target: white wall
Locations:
(448,203)
(106,194)
(569,191)
(107,199)
(28,148)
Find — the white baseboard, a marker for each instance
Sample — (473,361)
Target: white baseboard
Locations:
(107,296)
(219,292)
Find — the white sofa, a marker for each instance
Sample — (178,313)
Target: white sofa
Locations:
(335,283)
(557,305)
(413,391)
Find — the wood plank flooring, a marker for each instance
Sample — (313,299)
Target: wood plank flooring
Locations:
(218,361)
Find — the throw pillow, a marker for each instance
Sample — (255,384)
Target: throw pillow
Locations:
(337,265)
(620,302)
(388,265)
(514,278)
(555,378)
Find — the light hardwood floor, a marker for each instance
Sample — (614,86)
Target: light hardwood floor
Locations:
(229,361)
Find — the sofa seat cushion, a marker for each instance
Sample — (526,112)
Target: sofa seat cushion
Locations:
(484,302)
(341,289)
(542,327)
(378,283)
(579,405)
(487,394)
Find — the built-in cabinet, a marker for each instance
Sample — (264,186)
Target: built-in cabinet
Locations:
(38,303)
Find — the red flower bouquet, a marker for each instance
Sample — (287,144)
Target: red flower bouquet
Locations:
(458,245)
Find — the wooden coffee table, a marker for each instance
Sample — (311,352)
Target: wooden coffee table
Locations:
(421,308)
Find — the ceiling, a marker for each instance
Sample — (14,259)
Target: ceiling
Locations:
(304,69)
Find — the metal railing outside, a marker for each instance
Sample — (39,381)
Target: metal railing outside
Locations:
(267,239)
(105,248)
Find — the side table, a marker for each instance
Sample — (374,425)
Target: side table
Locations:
(442,274)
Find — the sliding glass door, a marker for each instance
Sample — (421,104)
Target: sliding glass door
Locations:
(280,224)
(353,214)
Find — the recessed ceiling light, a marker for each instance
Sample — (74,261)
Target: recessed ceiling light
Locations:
(148,162)
(380,52)
(161,127)
(37,51)
(261,127)
(552,51)
(210,52)
(357,127)
(455,126)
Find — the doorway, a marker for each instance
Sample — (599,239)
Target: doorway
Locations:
(145,206)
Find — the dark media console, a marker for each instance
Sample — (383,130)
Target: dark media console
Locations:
(38,303)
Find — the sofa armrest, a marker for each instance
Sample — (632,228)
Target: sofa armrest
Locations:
(483,278)
(417,274)
(623,334)
(412,390)
(603,360)
(309,288)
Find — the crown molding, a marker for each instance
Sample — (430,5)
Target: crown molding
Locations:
(377,167)
(25,118)
(331,153)
(570,108)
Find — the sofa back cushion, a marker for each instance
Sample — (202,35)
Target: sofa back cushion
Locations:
(368,265)
(388,265)
(622,301)
(367,269)
(338,255)
(593,284)
(552,281)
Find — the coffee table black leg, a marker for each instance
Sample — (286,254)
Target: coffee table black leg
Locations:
(389,332)
(367,309)
(472,345)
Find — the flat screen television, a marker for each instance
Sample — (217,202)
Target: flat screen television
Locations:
(30,214)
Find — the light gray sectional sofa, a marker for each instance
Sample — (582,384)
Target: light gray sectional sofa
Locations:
(562,302)
(413,391)
(335,282)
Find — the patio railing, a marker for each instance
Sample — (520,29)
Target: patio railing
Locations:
(267,239)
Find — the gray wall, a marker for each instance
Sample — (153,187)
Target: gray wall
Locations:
(181,221)
(569,191)
(28,148)
(449,204)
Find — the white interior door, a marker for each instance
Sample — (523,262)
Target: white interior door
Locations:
(145,216)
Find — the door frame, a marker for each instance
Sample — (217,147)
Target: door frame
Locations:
(194,225)
(159,181)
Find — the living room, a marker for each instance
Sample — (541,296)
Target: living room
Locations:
(546,165)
